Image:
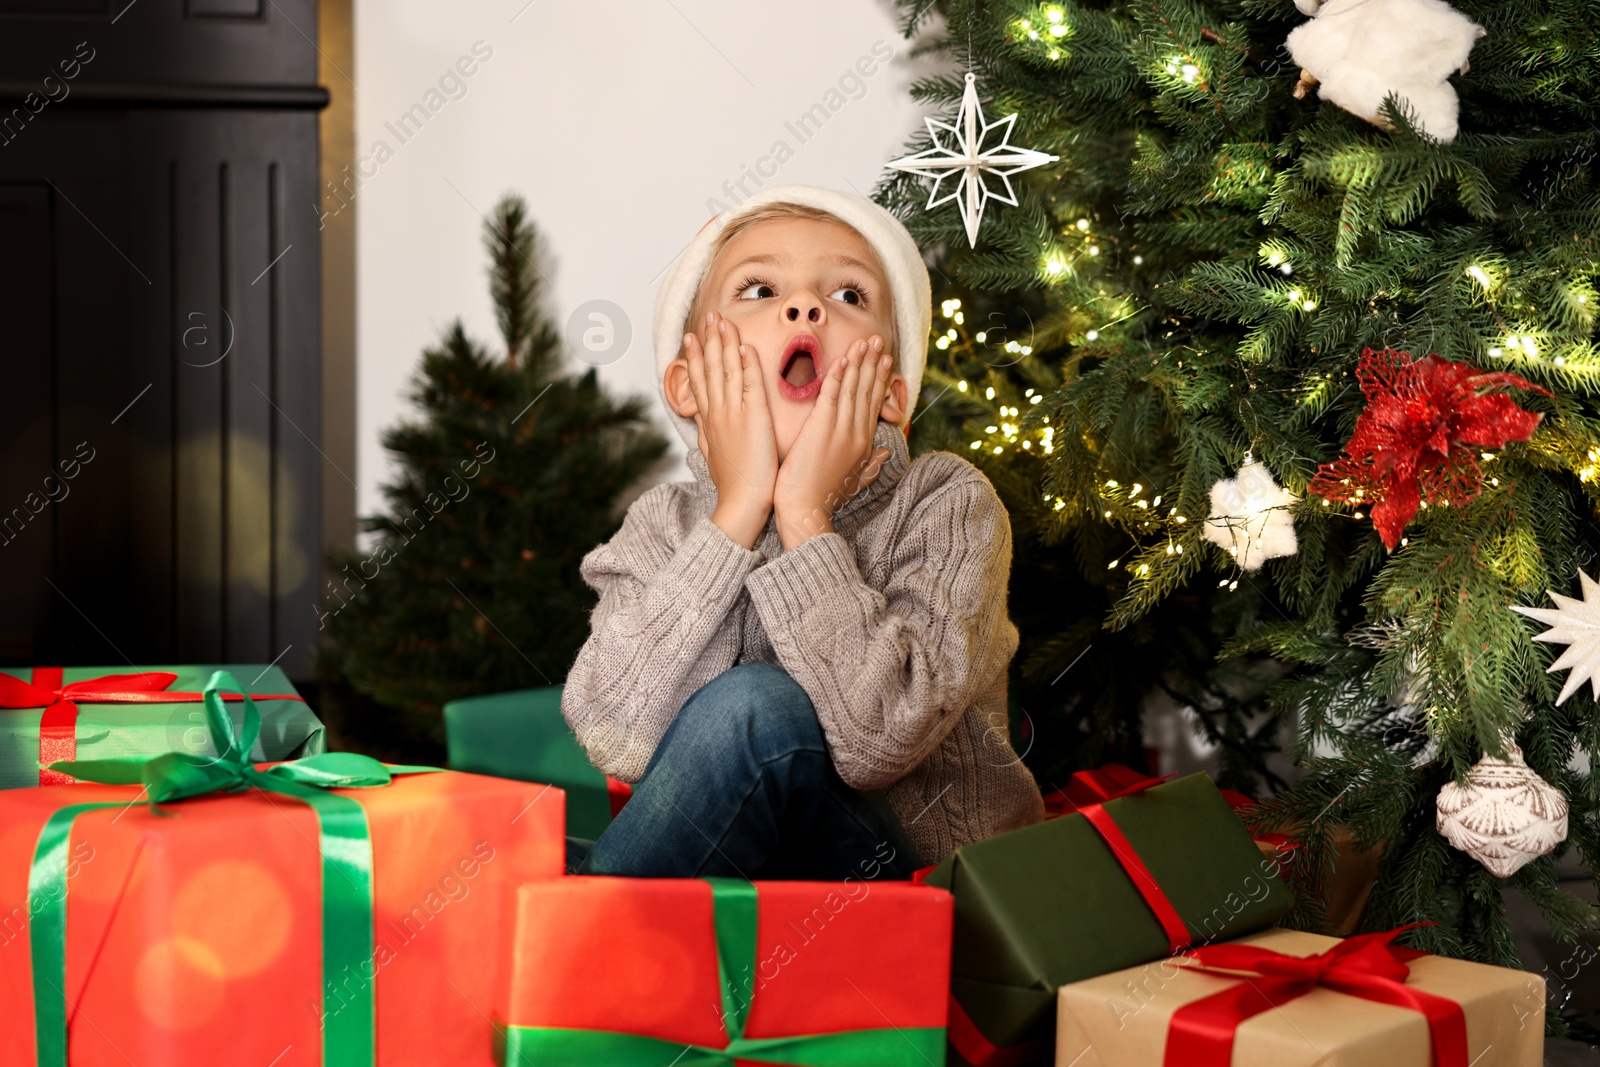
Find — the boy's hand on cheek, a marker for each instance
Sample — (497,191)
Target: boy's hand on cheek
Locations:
(832,457)
(736,434)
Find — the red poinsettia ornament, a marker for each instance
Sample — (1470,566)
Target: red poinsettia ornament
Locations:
(1415,441)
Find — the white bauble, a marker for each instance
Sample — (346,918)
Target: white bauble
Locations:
(1505,816)
(1252,517)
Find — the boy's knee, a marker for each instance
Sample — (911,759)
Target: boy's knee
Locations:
(758,704)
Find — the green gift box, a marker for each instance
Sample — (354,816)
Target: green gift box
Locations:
(1061,901)
(94,713)
(523,735)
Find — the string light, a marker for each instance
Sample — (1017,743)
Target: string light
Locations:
(1527,343)
(1588,472)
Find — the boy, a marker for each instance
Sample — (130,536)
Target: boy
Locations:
(800,658)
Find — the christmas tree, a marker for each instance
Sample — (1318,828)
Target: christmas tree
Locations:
(471,583)
(1255,267)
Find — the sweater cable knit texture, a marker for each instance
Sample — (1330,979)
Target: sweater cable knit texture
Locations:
(895,624)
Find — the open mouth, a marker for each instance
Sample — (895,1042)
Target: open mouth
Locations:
(797,377)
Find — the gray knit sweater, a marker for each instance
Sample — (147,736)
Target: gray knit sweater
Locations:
(895,625)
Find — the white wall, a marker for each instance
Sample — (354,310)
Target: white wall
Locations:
(618,123)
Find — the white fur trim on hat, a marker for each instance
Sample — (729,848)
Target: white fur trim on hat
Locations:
(908,282)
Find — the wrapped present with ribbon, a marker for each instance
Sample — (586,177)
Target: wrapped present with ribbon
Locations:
(50,714)
(1133,869)
(332,911)
(522,734)
(1284,998)
(710,972)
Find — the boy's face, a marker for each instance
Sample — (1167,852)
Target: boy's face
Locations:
(806,289)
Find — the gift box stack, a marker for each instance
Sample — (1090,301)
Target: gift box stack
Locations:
(245,897)
(1136,926)
(242,896)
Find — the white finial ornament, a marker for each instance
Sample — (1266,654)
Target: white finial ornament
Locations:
(971,160)
(1505,816)
(1576,624)
(1251,516)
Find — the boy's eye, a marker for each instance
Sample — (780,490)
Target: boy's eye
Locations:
(853,294)
(756,291)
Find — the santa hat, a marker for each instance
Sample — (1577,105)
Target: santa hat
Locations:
(902,260)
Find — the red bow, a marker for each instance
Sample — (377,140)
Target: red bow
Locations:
(58,726)
(1368,966)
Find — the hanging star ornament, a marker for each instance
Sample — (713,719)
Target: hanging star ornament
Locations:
(972,161)
(1576,624)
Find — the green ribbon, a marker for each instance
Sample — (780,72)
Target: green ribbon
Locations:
(345,845)
(734,911)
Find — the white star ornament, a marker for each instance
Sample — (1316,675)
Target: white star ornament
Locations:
(1576,624)
(972,161)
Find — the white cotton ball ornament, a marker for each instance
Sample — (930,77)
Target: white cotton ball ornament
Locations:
(1360,51)
(1252,517)
(1505,816)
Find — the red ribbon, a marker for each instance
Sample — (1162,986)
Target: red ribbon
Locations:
(1368,966)
(617,793)
(58,725)
(979,1051)
(1086,794)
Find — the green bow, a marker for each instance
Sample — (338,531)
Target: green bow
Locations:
(344,841)
(734,911)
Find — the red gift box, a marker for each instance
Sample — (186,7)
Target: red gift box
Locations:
(717,970)
(279,916)
(195,937)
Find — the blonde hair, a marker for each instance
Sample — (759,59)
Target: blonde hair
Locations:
(784,209)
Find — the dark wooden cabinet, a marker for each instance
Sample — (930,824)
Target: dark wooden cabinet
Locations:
(160,473)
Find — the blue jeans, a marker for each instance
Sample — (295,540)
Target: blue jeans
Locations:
(742,785)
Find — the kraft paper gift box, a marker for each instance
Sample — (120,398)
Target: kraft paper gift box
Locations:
(1485,1016)
(1056,902)
(645,971)
(262,916)
(55,713)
